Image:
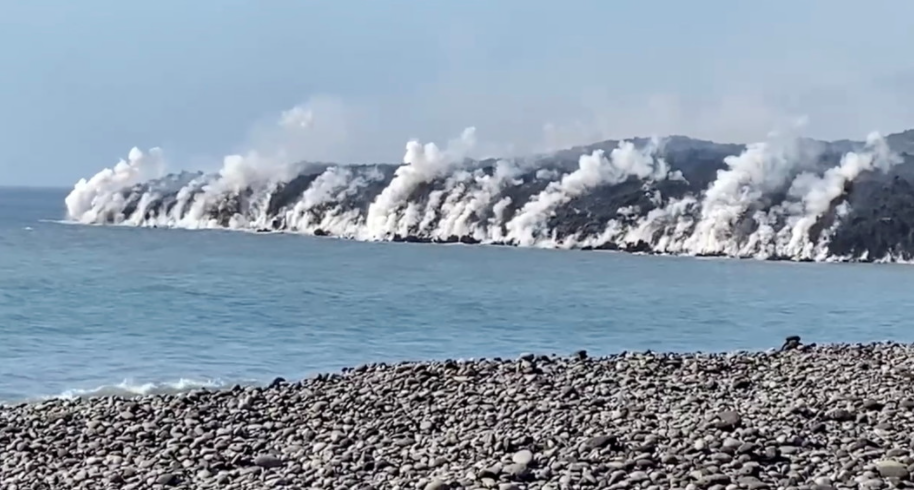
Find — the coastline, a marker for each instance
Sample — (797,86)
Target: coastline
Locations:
(828,416)
(639,249)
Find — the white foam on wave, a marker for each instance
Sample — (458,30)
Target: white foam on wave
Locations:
(130,388)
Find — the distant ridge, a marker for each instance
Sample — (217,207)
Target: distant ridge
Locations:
(802,199)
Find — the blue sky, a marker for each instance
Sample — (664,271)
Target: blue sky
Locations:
(82,82)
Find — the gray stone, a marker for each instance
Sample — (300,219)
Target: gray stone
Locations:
(634,421)
(167,479)
(729,419)
(517,471)
(437,484)
(600,442)
(524,457)
(841,415)
(267,461)
(892,469)
(731,445)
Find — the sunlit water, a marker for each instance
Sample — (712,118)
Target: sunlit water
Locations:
(112,309)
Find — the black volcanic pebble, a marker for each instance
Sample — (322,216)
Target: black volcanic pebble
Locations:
(798,419)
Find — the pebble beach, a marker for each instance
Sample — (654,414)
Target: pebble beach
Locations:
(799,417)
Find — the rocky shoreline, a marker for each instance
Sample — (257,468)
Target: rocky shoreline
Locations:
(803,417)
(684,197)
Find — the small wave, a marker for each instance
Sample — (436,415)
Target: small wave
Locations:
(129,388)
(60,222)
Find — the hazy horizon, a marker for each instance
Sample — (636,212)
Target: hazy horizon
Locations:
(86,82)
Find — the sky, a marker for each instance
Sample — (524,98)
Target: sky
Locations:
(81,83)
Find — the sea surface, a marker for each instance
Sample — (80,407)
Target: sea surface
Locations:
(96,310)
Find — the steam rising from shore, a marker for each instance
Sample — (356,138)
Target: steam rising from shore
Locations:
(780,198)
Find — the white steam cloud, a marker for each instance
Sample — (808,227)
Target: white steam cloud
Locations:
(764,202)
(421,164)
(624,162)
(100,196)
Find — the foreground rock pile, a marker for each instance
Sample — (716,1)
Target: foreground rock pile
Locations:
(804,418)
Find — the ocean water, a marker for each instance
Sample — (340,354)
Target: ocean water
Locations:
(90,309)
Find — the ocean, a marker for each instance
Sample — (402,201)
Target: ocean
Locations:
(113,309)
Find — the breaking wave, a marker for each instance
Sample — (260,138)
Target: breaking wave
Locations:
(785,198)
(128,388)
